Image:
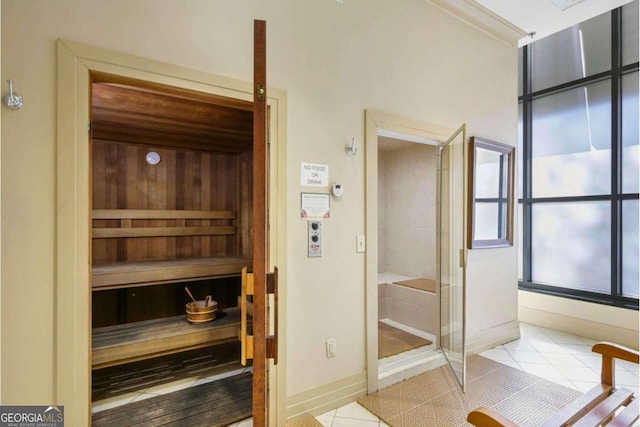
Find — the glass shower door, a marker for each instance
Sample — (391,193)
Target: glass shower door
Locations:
(452,258)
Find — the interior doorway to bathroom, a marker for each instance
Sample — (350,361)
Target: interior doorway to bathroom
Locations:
(408,295)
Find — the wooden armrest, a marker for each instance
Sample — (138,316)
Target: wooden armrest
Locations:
(610,352)
(616,351)
(486,417)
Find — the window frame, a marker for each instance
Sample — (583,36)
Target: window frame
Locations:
(615,197)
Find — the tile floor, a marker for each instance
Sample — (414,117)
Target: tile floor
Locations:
(556,356)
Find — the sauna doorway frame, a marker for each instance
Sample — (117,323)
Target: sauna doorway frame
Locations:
(376,121)
(75,62)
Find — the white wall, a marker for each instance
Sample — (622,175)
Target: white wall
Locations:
(406,57)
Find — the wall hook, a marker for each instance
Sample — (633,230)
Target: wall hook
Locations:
(351,148)
(11,99)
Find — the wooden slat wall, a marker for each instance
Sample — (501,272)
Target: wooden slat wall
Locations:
(154,302)
(183,180)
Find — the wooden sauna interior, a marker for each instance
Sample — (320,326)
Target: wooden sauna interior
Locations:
(156,228)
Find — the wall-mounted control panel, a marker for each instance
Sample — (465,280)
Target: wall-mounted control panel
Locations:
(315,238)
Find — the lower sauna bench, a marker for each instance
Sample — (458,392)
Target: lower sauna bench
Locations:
(129,342)
(216,403)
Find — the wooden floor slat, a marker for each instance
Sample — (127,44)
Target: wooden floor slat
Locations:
(120,379)
(216,403)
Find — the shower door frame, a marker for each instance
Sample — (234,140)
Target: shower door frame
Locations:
(376,121)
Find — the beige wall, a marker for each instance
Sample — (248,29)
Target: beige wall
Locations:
(407,211)
(407,57)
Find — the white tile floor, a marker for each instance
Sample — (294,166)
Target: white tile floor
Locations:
(556,356)
(560,357)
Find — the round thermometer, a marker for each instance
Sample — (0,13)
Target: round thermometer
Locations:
(153,158)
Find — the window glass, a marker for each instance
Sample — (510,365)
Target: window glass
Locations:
(571,245)
(630,254)
(571,142)
(486,224)
(630,148)
(630,33)
(580,51)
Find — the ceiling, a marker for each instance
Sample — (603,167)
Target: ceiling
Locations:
(152,117)
(543,18)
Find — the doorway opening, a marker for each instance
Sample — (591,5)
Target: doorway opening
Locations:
(171,182)
(80,67)
(408,295)
(415,262)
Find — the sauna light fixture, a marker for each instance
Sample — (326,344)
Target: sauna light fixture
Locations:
(12,100)
(153,158)
(351,148)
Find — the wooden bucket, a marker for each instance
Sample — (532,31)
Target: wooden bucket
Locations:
(201,311)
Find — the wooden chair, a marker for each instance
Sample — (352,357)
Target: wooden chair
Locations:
(596,407)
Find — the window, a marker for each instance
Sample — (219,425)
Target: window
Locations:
(578,161)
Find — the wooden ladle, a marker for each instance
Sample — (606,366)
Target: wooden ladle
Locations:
(195,303)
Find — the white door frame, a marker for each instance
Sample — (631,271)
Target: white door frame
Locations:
(375,122)
(73,266)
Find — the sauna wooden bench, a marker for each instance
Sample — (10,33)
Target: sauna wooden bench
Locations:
(129,342)
(144,273)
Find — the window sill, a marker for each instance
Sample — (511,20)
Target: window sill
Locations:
(593,297)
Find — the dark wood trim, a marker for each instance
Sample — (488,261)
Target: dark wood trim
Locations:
(260,396)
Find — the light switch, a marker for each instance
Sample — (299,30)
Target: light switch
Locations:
(360,243)
(331,347)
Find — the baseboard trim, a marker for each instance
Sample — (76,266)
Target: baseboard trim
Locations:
(489,338)
(327,397)
(581,327)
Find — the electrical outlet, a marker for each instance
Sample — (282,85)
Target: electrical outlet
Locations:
(331,347)
(360,243)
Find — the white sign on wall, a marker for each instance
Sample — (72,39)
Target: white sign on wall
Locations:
(313,175)
(314,205)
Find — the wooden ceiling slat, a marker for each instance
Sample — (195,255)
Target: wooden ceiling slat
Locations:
(105,79)
(168,124)
(222,145)
(146,117)
(153,104)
